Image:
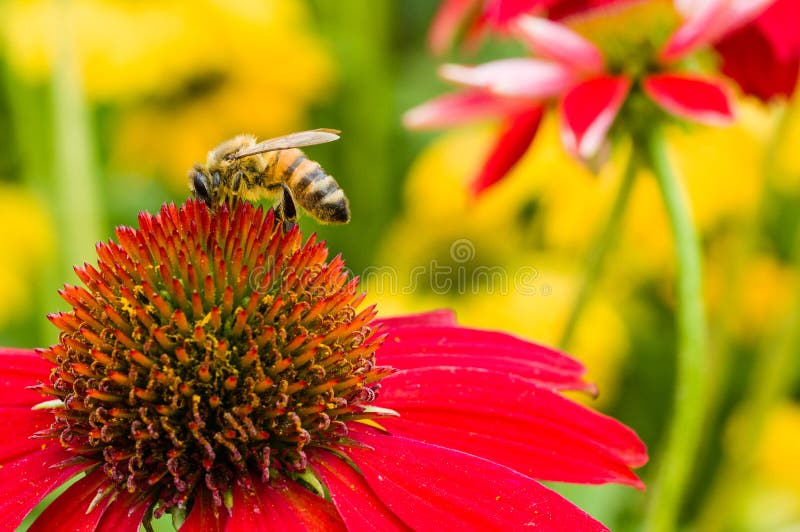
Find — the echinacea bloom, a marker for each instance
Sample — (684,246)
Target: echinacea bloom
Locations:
(590,82)
(217,368)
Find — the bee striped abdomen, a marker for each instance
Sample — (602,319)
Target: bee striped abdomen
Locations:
(315,191)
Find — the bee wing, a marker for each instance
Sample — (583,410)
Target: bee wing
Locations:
(293,140)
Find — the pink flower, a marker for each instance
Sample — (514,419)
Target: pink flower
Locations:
(218,369)
(590,87)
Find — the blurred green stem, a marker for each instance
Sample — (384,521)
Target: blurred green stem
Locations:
(76,198)
(690,402)
(30,112)
(360,36)
(600,247)
(772,373)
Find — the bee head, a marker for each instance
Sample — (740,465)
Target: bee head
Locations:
(203,186)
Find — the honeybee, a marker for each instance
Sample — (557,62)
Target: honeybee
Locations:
(243,168)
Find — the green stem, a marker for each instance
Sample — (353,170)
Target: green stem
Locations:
(600,247)
(690,402)
(76,194)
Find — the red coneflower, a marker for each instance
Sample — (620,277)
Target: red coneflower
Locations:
(595,83)
(218,369)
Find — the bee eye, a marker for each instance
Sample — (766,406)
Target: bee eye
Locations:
(200,185)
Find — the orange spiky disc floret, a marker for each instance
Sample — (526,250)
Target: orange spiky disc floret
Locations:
(203,348)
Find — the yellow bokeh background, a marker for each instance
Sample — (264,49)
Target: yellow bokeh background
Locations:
(207,70)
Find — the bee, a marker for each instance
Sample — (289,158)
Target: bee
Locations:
(243,168)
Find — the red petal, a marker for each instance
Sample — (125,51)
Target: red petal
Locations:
(446,22)
(434,318)
(425,484)
(566,8)
(587,112)
(69,510)
(15,351)
(460,108)
(205,516)
(247,513)
(281,505)
(420,347)
(494,415)
(16,427)
(779,25)
(764,57)
(20,368)
(703,21)
(355,500)
(124,514)
(500,12)
(749,58)
(697,99)
(25,481)
(509,148)
(709,20)
(558,42)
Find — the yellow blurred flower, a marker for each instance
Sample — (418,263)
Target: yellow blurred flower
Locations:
(184,75)
(196,126)
(765,291)
(778,454)
(24,249)
(721,187)
(117,43)
(567,203)
(548,199)
(131,49)
(787,158)
(775,495)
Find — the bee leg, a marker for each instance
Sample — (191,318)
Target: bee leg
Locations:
(286,209)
